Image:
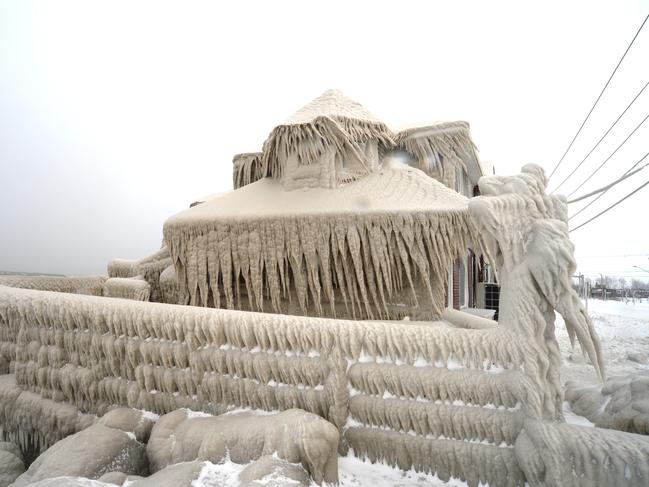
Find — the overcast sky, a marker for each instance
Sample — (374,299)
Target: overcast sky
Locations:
(115,115)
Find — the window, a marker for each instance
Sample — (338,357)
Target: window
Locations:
(462,183)
(462,284)
(402,156)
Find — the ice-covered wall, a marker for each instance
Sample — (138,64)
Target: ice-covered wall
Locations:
(430,387)
(339,266)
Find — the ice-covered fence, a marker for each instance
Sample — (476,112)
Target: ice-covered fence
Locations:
(62,284)
(431,396)
(127,288)
(149,267)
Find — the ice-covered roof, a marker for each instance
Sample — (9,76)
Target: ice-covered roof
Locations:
(394,190)
(426,128)
(333,104)
(433,142)
(363,243)
(330,121)
(244,156)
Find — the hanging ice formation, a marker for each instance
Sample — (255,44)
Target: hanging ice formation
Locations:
(247,168)
(364,250)
(439,149)
(526,234)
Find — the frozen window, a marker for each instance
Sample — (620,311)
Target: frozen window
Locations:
(463,282)
(462,184)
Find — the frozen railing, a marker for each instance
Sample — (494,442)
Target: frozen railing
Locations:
(459,394)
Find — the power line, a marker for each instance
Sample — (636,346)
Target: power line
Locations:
(609,186)
(597,274)
(609,157)
(605,190)
(612,255)
(615,274)
(612,206)
(623,271)
(598,98)
(602,137)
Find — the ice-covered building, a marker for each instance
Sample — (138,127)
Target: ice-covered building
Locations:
(329,220)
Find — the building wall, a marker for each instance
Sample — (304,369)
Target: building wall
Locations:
(463,272)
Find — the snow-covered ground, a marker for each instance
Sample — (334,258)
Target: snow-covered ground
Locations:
(623,329)
(354,472)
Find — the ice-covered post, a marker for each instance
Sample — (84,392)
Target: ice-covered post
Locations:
(525,230)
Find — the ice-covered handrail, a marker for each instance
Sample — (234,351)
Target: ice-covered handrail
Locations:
(95,353)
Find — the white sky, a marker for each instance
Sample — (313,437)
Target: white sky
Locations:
(115,115)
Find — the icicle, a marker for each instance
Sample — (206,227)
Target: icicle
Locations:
(247,168)
(453,422)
